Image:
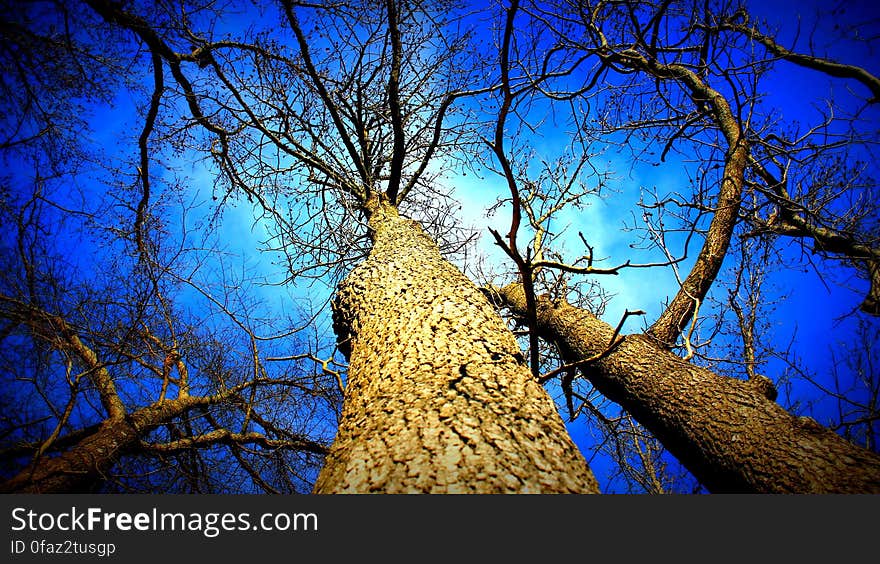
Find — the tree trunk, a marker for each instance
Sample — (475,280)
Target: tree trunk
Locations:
(80,468)
(438,398)
(727,432)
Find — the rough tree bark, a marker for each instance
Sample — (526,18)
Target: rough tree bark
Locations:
(77,470)
(89,461)
(729,433)
(438,399)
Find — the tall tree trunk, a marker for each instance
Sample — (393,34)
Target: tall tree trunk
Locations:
(438,398)
(729,433)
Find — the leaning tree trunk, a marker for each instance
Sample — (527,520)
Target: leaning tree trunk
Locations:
(80,468)
(88,462)
(729,433)
(438,398)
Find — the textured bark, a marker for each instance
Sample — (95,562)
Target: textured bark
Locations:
(438,398)
(667,328)
(696,285)
(726,431)
(78,469)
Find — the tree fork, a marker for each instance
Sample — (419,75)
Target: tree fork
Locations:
(727,432)
(438,399)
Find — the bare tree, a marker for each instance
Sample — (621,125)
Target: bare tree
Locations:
(331,133)
(110,382)
(697,93)
(103,363)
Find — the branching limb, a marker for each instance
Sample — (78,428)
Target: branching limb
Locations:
(226,437)
(823,65)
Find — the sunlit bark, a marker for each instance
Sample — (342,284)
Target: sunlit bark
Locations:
(439,398)
(727,432)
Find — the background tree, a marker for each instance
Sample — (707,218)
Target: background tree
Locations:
(684,78)
(136,355)
(109,377)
